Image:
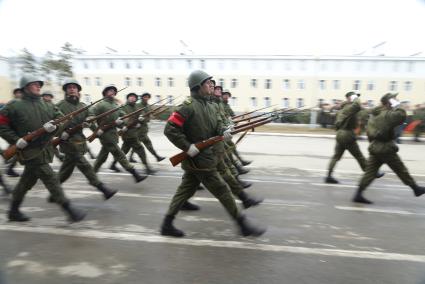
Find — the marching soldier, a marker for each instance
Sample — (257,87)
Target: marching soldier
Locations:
(17,94)
(144,128)
(18,118)
(345,124)
(48,99)
(196,120)
(130,136)
(109,139)
(74,145)
(382,148)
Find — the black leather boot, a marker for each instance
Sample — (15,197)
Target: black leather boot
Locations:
(244,184)
(168,229)
(15,215)
(11,171)
(418,190)
(248,229)
(331,179)
(114,168)
(187,206)
(75,215)
(137,176)
(249,201)
(107,192)
(241,169)
(159,158)
(359,198)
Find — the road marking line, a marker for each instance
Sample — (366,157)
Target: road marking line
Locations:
(378,210)
(216,244)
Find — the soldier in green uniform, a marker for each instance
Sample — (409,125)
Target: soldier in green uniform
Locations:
(382,148)
(109,139)
(130,136)
(193,121)
(74,145)
(345,124)
(144,128)
(48,99)
(419,114)
(18,118)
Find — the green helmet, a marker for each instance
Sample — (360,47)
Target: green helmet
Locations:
(47,93)
(349,94)
(146,95)
(109,87)
(28,79)
(71,81)
(132,94)
(386,98)
(226,91)
(197,77)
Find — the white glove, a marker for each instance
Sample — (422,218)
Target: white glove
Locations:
(21,143)
(192,151)
(86,124)
(119,121)
(64,135)
(353,98)
(141,118)
(99,133)
(394,103)
(138,125)
(227,134)
(49,126)
(124,129)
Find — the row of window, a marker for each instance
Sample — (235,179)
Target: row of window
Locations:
(393,86)
(288,65)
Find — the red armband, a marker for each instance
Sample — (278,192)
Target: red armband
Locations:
(4,120)
(177,119)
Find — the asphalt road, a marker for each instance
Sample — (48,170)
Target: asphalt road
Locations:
(315,234)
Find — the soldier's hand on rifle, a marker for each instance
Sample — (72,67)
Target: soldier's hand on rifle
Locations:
(64,135)
(227,133)
(141,118)
(124,129)
(49,126)
(99,133)
(192,151)
(354,97)
(138,125)
(21,143)
(394,103)
(86,124)
(119,121)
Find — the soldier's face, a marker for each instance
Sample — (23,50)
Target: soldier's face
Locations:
(145,99)
(17,94)
(72,91)
(132,99)
(217,92)
(207,88)
(47,98)
(110,93)
(225,97)
(34,88)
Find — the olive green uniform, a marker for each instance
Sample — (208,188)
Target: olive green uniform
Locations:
(346,122)
(56,152)
(419,114)
(109,139)
(144,129)
(382,148)
(196,120)
(17,119)
(75,146)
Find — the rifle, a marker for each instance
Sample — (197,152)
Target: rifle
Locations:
(177,159)
(282,110)
(56,141)
(11,151)
(236,116)
(241,137)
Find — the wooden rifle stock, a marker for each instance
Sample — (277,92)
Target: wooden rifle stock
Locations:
(11,151)
(177,159)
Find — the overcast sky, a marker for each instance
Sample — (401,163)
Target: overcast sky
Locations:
(266,27)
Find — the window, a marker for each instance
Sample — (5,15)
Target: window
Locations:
(157,98)
(300,102)
(320,102)
(221,82)
(111,65)
(170,82)
(253,101)
(189,64)
(286,84)
(393,86)
(157,82)
(86,65)
(285,102)
(370,86)
(87,98)
(268,84)
(170,100)
(322,84)
(202,64)
(253,83)
(408,86)
(87,81)
(127,82)
(370,103)
(139,64)
(267,101)
(234,83)
(127,65)
(301,85)
(233,101)
(336,84)
(139,81)
(356,85)
(98,81)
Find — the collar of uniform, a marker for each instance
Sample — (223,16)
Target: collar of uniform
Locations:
(71,101)
(30,97)
(197,96)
